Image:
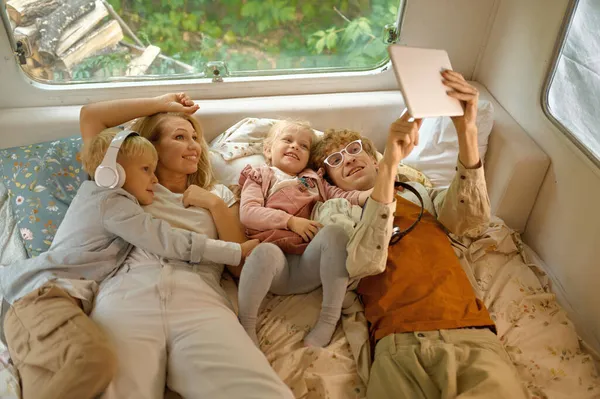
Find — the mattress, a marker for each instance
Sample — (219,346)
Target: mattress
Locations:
(533,328)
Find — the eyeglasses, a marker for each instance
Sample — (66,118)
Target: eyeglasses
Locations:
(354,148)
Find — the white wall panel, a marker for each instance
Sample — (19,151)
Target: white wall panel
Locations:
(564,226)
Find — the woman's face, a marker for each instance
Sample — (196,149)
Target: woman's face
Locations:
(178,147)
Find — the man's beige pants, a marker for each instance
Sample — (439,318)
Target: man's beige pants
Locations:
(443,364)
(59,351)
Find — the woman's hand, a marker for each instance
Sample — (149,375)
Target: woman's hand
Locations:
(177,102)
(201,198)
(402,138)
(468,96)
(304,228)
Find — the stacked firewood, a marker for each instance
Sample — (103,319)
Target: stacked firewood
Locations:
(63,33)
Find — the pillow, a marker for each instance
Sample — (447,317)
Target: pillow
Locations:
(42,180)
(244,138)
(228,172)
(437,153)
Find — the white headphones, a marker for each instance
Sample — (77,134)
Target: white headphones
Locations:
(110,174)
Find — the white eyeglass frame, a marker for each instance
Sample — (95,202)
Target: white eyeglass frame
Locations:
(342,151)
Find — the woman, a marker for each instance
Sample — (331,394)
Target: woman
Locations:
(171,322)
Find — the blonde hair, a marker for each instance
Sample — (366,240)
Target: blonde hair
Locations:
(332,141)
(133,147)
(151,128)
(283,125)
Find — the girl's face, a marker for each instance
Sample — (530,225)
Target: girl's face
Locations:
(178,147)
(290,150)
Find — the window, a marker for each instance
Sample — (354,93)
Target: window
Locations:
(107,40)
(572,97)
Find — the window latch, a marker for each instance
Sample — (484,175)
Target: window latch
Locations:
(22,51)
(217,70)
(390,34)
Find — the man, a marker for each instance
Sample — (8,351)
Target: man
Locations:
(434,338)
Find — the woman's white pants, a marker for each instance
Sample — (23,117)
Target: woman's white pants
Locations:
(169,327)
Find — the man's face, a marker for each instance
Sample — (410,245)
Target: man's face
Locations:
(356,172)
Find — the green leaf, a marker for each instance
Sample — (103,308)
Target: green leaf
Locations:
(263,25)
(308,10)
(352,32)
(250,9)
(320,45)
(287,14)
(331,39)
(364,25)
(376,50)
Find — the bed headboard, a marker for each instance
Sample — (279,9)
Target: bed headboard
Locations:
(515,165)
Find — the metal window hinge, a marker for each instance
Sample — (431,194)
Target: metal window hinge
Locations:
(23,51)
(390,34)
(217,70)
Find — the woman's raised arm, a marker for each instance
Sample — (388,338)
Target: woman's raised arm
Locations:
(95,117)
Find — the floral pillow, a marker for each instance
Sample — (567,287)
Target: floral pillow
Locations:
(42,180)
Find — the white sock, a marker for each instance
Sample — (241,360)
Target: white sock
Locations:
(322,332)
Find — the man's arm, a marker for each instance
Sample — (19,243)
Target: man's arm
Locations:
(465,205)
(367,249)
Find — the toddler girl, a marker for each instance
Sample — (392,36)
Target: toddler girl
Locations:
(296,254)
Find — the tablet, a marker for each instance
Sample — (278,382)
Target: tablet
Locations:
(418,73)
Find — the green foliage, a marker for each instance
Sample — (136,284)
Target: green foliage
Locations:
(255,34)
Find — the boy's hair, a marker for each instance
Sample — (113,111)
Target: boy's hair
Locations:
(282,125)
(151,128)
(133,146)
(333,140)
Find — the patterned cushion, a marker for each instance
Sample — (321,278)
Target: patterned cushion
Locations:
(42,180)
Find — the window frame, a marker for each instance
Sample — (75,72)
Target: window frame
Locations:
(263,77)
(545,102)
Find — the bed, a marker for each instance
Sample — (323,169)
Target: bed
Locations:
(535,330)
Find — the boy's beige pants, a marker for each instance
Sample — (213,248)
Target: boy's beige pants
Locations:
(59,351)
(443,364)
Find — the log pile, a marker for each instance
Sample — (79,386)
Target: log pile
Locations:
(63,33)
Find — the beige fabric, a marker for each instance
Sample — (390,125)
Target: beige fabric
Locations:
(338,211)
(463,205)
(59,352)
(534,329)
(444,364)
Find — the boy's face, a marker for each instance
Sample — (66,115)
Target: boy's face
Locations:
(140,178)
(290,150)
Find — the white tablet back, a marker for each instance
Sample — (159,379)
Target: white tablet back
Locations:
(418,73)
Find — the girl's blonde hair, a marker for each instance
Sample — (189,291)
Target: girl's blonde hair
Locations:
(282,125)
(151,128)
(133,147)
